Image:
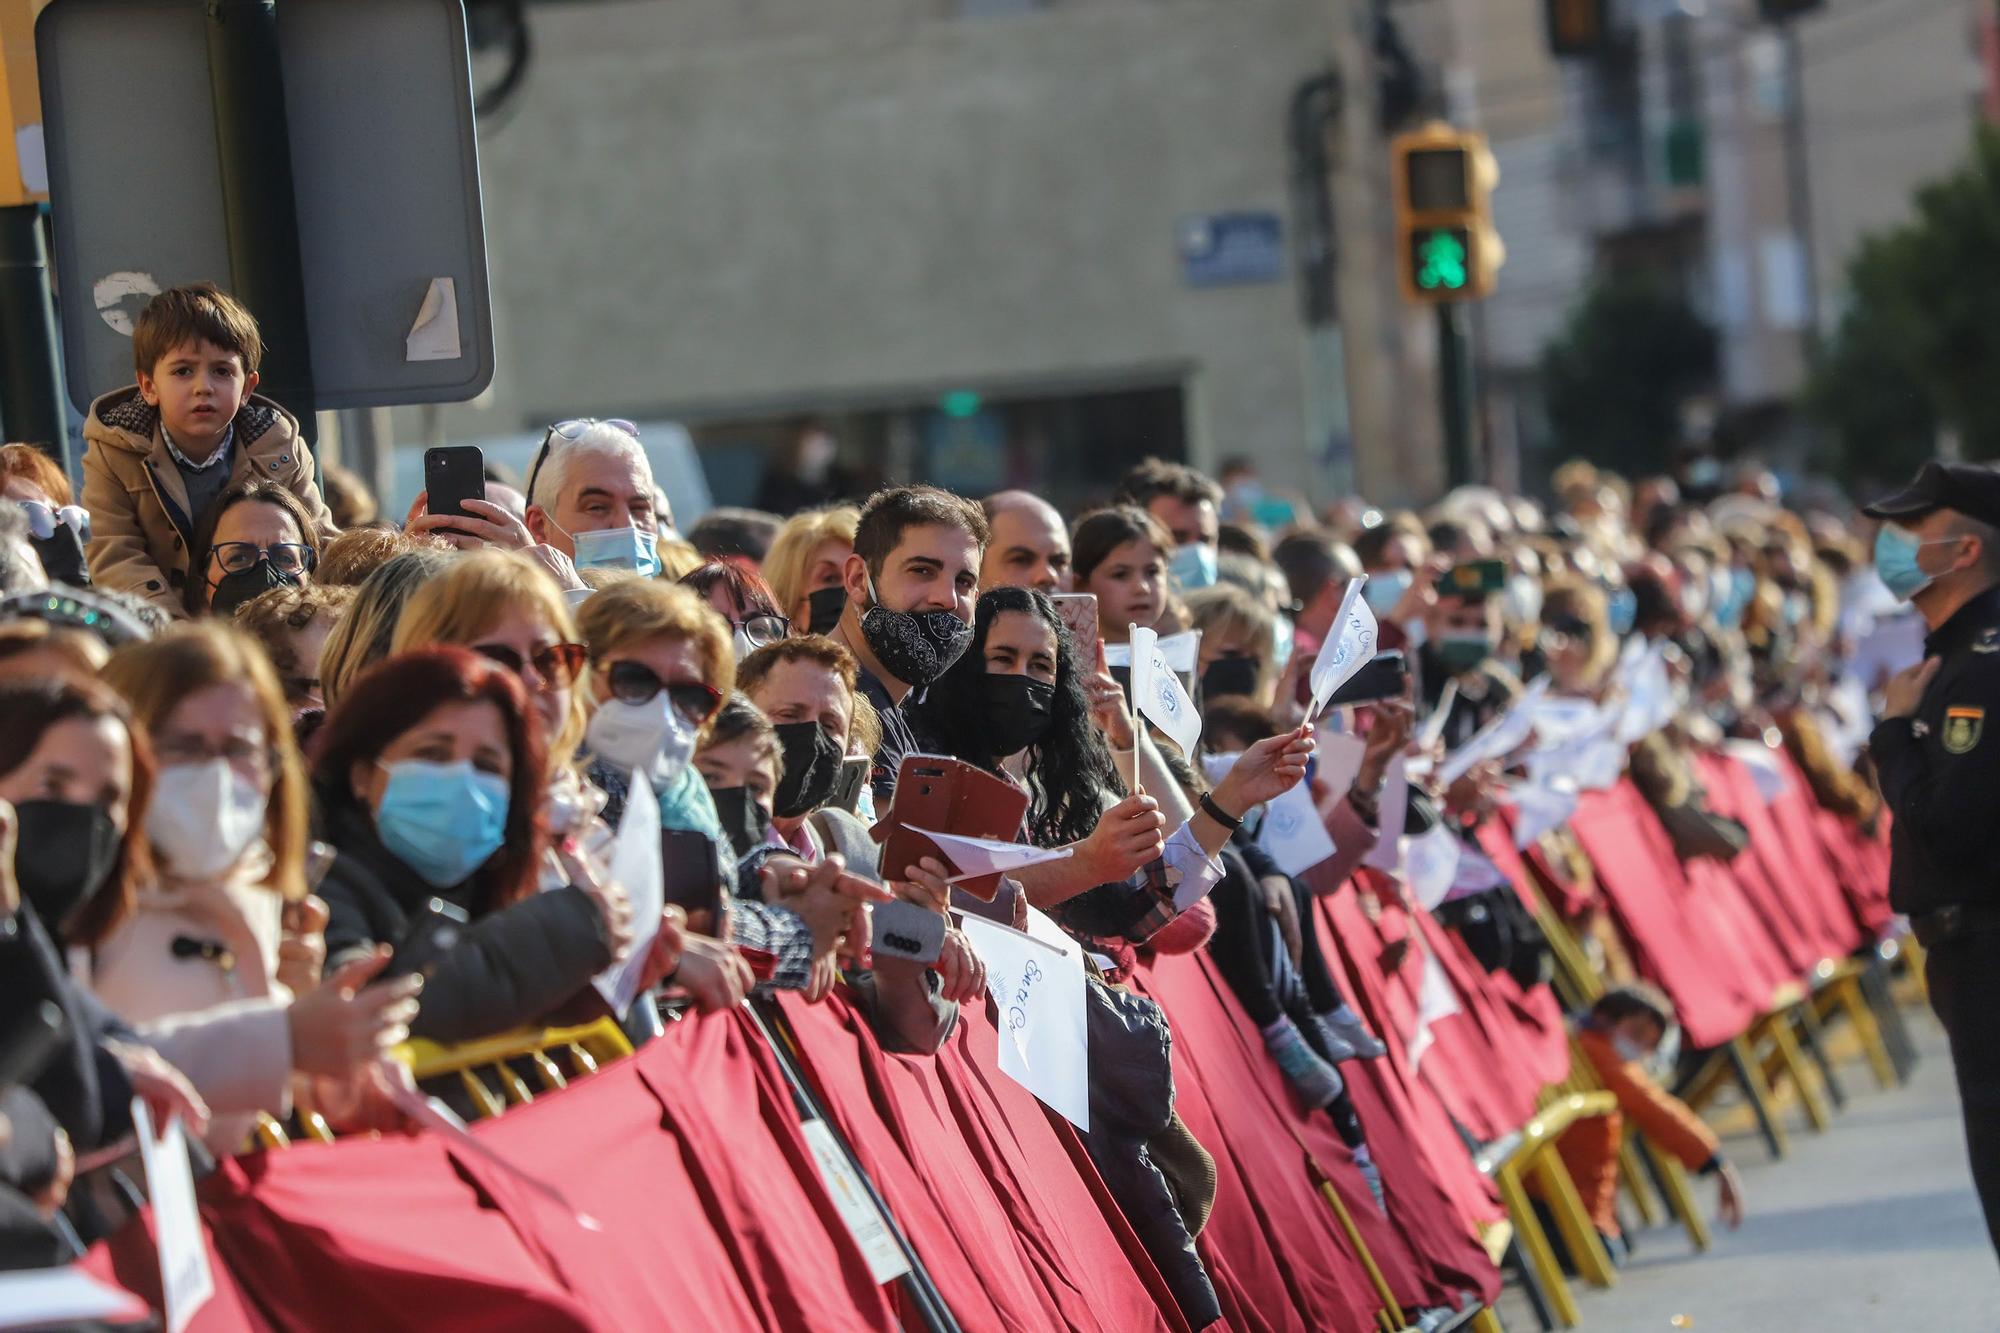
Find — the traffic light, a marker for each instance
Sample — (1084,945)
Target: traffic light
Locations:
(1446,246)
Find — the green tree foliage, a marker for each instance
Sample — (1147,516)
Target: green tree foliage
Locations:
(1919,344)
(1614,381)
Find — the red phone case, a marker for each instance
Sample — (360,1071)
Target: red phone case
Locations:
(947,796)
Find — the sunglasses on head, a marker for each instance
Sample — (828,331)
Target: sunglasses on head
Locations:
(635,683)
(569,431)
(557,664)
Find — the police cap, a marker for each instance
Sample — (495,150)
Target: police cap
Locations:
(1972,489)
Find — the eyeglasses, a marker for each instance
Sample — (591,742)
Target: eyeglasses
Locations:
(557,664)
(44,519)
(290,558)
(239,752)
(568,432)
(635,683)
(765,629)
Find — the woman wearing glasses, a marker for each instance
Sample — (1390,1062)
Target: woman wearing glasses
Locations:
(255,537)
(742,598)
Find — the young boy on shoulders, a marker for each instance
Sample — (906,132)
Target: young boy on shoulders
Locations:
(158,452)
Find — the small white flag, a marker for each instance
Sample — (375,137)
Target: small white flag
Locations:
(1350,644)
(635,866)
(186,1282)
(1293,832)
(1540,807)
(1157,692)
(1044,1036)
(1430,863)
(1182,652)
(1436,1000)
(1390,812)
(973,858)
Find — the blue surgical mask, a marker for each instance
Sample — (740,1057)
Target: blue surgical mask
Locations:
(1383,591)
(1624,611)
(1631,1052)
(628,548)
(443,821)
(1731,605)
(1282,630)
(1193,566)
(1896,560)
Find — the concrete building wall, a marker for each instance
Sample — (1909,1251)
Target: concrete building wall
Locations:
(715,206)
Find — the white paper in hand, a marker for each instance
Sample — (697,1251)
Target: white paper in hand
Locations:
(1430,863)
(1157,692)
(185,1280)
(975,857)
(1762,761)
(1436,1000)
(1044,1041)
(635,865)
(1540,807)
(1390,812)
(1293,832)
(1349,646)
(851,1199)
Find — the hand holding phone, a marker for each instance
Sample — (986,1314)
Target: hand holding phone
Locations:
(1384,676)
(1078,611)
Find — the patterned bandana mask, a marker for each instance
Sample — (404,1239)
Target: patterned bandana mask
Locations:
(916,647)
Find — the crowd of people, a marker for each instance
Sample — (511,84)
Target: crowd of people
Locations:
(288,784)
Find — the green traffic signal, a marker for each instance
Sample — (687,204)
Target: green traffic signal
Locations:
(1440,255)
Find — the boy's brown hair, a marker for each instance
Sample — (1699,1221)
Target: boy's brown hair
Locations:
(201,312)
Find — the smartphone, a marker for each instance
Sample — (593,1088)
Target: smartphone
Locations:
(453,474)
(1079,615)
(691,869)
(1383,676)
(1475,578)
(907,931)
(946,795)
(432,933)
(32,1040)
(848,786)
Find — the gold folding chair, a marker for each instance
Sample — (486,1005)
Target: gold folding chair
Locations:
(587,1047)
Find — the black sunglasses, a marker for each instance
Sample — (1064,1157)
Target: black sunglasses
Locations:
(636,683)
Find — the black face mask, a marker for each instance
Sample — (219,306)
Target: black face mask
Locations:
(62,556)
(1229,675)
(812,769)
(742,818)
(827,606)
(1017,710)
(238,588)
(916,647)
(66,853)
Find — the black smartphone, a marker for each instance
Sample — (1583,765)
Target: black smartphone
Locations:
(847,787)
(1475,578)
(32,1040)
(691,865)
(432,933)
(453,474)
(1383,676)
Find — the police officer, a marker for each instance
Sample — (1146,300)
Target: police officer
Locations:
(1939,549)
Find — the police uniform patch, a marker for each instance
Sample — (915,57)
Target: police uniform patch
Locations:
(1962,727)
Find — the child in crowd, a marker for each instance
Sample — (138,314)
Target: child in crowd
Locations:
(160,451)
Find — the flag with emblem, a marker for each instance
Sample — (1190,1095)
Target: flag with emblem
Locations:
(1158,693)
(1962,727)
(1349,646)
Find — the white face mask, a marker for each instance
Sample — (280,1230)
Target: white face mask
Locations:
(741,644)
(203,817)
(1628,1050)
(651,736)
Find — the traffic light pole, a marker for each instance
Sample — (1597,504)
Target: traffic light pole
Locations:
(31,397)
(246,82)
(1454,393)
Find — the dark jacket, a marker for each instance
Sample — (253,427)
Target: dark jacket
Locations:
(83,1087)
(509,968)
(1939,770)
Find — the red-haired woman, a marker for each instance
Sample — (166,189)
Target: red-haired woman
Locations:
(431,783)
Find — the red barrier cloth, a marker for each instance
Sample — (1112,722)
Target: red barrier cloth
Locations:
(1762,868)
(1388,1091)
(898,1114)
(1672,935)
(1273,1246)
(1786,844)
(1794,813)
(131,1260)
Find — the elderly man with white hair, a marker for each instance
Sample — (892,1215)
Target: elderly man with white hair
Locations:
(591,504)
